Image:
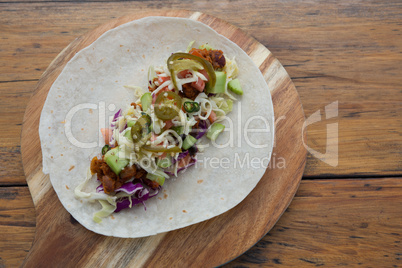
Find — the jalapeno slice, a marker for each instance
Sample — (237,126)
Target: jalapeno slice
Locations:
(167,105)
(141,128)
(105,149)
(175,66)
(175,149)
(191,106)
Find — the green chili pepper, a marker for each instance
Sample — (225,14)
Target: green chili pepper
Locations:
(191,106)
(105,149)
(176,64)
(167,105)
(175,149)
(187,64)
(141,128)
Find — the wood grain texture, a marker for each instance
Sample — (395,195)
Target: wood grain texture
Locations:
(345,223)
(330,222)
(334,51)
(14,98)
(17,225)
(206,243)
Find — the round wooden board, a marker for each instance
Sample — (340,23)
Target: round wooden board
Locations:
(62,241)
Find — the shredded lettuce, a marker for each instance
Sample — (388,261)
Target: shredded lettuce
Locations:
(108,202)
(91,196)
(138,91)
(231,69)
(190,45)
(226,105)
(107,209)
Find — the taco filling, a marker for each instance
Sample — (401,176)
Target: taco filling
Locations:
(160,133)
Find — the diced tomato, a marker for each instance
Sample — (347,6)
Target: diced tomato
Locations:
(212,117)
(184,74)
(107,134)
(153,137)
(168,124)
(196,53)
(199,85)
(184,161)
(205,73)
(165,89)
(163,79)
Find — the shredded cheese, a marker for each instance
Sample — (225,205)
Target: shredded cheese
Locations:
(164,84)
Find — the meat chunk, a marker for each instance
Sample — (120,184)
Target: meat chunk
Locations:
(96,165)
(109,184)
(153,184)
(127,173)
(141,173)
(109,179)
(218,60)
(214,56)
(99,167)
(189,92)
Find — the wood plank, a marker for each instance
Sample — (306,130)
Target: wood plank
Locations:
(11,171)
(207,242)
(325,26)
(17,225)
(369,134)
(14,98)
(316,42)
(331,222)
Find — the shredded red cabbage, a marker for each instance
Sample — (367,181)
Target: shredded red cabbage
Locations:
(99,188)
(191,163)
(153,98)
(202,129)
(125,203)
(117,115)
(125,126)
(130,188)
(180,157)
(139,194)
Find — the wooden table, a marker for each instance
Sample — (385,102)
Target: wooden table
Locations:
(348,209)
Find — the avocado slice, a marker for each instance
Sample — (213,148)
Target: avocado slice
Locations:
(159,179)
(235,86)
(131,123)
(188,142)
(146,101)
(220,83)
(128,135)
(114,161)
(214,131)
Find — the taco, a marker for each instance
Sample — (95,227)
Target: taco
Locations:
(143,119)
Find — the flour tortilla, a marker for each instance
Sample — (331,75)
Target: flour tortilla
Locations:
(92,84)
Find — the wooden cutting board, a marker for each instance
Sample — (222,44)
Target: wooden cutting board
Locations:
(61,241)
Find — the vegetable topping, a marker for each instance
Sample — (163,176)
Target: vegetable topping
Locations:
(158,136)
